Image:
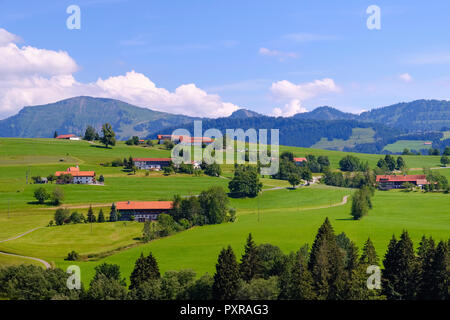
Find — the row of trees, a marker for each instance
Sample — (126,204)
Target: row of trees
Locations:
(389,164)
(63,216)
(349,179)
(331,269)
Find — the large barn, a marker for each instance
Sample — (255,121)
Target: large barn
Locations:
(142,210)
(386,182)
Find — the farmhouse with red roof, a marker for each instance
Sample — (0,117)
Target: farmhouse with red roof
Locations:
(386,182)
(68,137)
(142,210)
(78,177)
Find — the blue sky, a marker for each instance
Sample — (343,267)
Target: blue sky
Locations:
(274,57)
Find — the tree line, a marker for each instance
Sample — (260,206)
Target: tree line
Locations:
(331,269)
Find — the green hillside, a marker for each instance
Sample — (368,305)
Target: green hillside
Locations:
(284,217)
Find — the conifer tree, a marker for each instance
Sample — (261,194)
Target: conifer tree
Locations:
(113,214)
(369,255)
(250,266)
(145,269)
(101,216)
(400,271)
(90,215)
(389,272)
(441,278)
(301,287)
(226,278)
(426,253)
(326,263)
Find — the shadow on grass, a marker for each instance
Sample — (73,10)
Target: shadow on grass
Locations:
(98,146)
(47,204)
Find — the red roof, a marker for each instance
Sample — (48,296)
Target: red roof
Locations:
(152,159)
(76,173)
(195,139)
(140,205)
(166,136)
(299,159)
(418,178)
(65,136)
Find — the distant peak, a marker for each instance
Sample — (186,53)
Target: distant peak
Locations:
(245,113)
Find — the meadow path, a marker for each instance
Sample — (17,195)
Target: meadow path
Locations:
(45,263)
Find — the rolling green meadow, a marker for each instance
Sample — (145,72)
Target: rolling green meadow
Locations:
(281,216)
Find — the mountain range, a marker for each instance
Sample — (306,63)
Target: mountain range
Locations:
(321,127)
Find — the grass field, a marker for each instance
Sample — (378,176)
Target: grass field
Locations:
(359,135)
(6,260)
(287,218)
(400,145)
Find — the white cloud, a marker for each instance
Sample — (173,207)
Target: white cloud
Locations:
(284,89)
(279,54)
(406,77)
(289,109)
(7,37)
(15,61)
(296,93)
(32,76)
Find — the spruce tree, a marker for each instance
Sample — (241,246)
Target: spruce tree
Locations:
(113,214)
(389,275)
(226,278)
(90,215)
(250,266)
(369,255)
(326,263)
(441,274)
(145,269)
(400,270)
(407,267)
(101,216)
(301,287)
(426,253)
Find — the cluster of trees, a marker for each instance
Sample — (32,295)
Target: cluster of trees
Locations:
(245,182)
(351,164)
(134,140)
(56,196)
(63,216)
(331,269)
(91,134)
(389,164)
(361,201)
(437,182)
(212,170)
(349,179)
(290,171)
(210,207)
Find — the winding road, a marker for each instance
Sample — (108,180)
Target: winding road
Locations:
(45,263)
